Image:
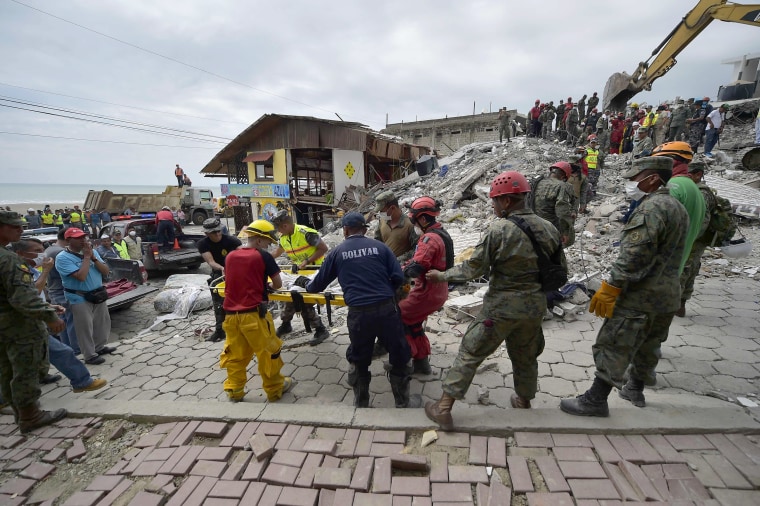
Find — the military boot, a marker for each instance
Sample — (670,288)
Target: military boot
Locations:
(422,366)
(591,403)
(440,412)
(682,310)
(360,384)
(31,417)
(320,335)
(633,391)
(284,328)
(519,402)
(400,389)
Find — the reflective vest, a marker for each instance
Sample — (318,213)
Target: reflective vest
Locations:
(591,158)
(296,247)
(58,219)
(75,217)
(47,218)
(121,247)
(648,120)
(178,171)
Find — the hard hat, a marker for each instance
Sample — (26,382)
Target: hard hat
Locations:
(507,183)
(30,210)
(542,105)
(564,167)
(675,148)
(538,100)
(424,206)
(635,105)
(591,138)
(261,228)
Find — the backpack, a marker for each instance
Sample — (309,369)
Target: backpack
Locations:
(551,273)
(448,243)
(722,225)
(531,198)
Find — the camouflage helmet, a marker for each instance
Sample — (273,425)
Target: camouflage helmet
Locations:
(648,163)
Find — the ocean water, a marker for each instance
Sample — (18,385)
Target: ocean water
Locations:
(18,193)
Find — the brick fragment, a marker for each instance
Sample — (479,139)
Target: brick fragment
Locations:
(211,429)
(53,455)
(175,431)
(303,435)
(478,450)
(260,446)
(552,474)
(158,482)
(286,439)
(76,451)
(520,474)
(409,462)
(332,477)
(245,435)
(381,480)
(117,432)
(362,474)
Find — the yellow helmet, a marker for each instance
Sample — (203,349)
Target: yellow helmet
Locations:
(635,105)
(261,228)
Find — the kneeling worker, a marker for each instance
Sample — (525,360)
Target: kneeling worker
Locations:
(248,324)
(303,247)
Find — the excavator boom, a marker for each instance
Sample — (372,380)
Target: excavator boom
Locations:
(621,87)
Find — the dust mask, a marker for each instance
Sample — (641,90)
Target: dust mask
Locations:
(417,230)
(633,191)
(383,216)
(132,234)
(38,259)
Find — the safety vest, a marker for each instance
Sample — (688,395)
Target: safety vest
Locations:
(648,120)
(47,218)
(75,217)
(591,158)
(296,247)
(121,247)
(58,219)
(178,171)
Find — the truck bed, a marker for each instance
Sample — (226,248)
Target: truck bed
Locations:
(180,258)
(126,299)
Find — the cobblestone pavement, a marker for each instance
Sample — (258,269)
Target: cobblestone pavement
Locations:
(248,463)
(714,350)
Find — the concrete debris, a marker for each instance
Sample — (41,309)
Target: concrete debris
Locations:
(467,210)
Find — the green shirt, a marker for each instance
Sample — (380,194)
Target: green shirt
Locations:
(687,193)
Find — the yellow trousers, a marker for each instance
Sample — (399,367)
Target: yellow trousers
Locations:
(249,333)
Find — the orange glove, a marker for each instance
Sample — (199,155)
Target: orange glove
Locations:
(603,301)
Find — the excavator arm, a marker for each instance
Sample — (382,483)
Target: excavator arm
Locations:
(621,87)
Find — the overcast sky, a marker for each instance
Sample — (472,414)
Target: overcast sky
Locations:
(362,60)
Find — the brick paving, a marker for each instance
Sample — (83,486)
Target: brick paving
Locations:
(695,469)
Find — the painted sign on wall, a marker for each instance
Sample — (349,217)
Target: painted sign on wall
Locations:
(280,191)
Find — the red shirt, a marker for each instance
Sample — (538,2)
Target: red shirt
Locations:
(164,215)
(245,278)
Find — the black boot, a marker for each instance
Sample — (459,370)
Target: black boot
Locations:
(633,391)
(320,335)
(422,366)
(31,417)
(400,389)
(284,328)
(360,383)
(591,403)
(218,335)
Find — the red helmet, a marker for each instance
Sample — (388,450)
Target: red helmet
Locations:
(538,100)
(507,183)
(591,137)
(564,167)
(424,206)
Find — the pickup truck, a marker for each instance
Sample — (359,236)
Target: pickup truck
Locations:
(131,270)
(186,256)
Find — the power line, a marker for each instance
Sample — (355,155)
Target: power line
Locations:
(154,53)
(72,111)
(109,142)
(111,124)
(122,105)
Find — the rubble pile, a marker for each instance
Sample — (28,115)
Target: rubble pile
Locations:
(463,184)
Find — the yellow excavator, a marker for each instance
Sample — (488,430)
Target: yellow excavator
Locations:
(621,87)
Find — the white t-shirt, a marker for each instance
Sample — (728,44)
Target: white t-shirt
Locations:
(716,119)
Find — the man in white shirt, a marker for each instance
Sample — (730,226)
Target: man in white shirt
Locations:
(714,128)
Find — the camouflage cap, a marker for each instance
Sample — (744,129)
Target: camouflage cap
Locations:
(382,200)
(697,166)
(648,163)
(11,218)
(281,217)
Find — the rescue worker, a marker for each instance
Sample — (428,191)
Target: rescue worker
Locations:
(120,244)
(214,249)
(369,275)
(76,218)
(23,332)
(579,182)
(514,305)
(590,164)
(640,297)
(134,243)
(47,217)
(248,325)
(303,247)
(535,123)
(571,123)
(59,219)
(505,126)
(677,122)
(180,175)
(559,127)
(553,201)
(165,228)
(697,125)
(546,122)
(396,230)
(435,250)
(593,101)
(694,261)
(32,219)
(648,121)
(643,145)
(582,107)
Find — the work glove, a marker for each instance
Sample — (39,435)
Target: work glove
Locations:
(301,281)
(603,301)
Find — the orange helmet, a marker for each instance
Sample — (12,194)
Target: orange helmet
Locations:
(564,167)
(675,148)
(424,206)
(509,182)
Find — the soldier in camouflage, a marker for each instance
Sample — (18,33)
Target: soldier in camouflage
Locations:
(559,127)
(697,125)
(639,300)
(593,101)
(553,200)
(514,304)
(546,122)
(694,261)
(677,121)
(572,125)
(505,124)
(582,107)
(23,332)
(579,182)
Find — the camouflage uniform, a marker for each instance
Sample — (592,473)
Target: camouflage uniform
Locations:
(697,129)
(554,202)
(582,107)
(512,308)
(546,127)
(23,334)
(694,262)
(642,147)
(505,126)
(593,102)
(559,126)
(646,270)
(677,123)
(572,125)
(579,182)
